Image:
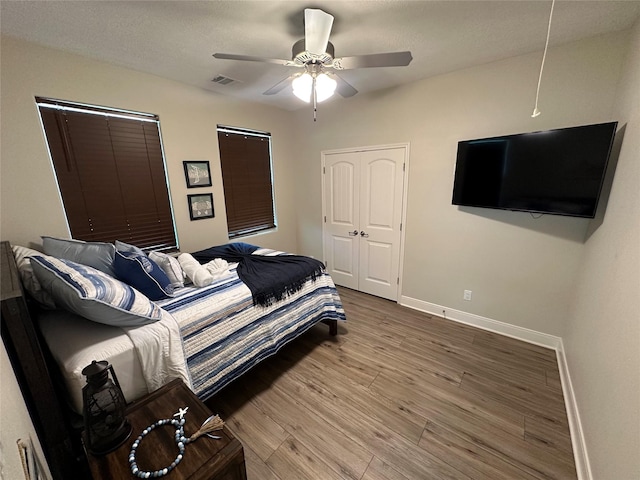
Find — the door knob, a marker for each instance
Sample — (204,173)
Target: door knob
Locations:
(354,233)
(362,234)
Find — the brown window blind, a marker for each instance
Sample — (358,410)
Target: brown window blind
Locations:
(245,158)
(111,174)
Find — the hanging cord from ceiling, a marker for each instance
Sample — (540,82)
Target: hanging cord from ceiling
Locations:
(536,112)
(315,99)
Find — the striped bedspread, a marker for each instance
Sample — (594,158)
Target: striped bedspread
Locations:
(224,334)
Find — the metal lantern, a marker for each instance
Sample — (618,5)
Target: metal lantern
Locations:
(105,423)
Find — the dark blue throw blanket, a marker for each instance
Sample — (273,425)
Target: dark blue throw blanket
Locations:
(270,278)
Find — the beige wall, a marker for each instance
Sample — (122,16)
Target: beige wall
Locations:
(30,204)
(521,270)
(602,338)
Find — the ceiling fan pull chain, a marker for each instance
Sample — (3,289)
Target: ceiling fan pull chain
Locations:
(315,98)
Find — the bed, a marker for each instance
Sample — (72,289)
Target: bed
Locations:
(207,336)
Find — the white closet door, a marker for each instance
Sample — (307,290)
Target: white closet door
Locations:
(341,234)
(380,218)
(363,194)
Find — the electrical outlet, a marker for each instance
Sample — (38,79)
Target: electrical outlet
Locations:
(467,295)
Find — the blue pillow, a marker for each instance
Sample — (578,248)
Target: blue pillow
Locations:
(143,274)
(127,247)
(93,294)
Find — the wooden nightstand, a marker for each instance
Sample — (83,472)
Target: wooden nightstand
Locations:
(204,459)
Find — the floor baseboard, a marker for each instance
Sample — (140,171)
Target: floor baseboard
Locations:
(531,336)
(575,425)
(513,331)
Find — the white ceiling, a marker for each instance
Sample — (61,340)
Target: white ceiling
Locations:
(176,39)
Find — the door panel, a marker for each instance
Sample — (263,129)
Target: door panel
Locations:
(342,258)
(342,193)
(379,276)
(378,193)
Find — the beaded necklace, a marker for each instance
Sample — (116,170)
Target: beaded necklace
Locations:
(210,424)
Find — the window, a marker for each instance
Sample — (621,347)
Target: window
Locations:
(245,158)
(110,169)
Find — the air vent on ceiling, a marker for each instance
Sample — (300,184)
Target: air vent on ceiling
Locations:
(222,80)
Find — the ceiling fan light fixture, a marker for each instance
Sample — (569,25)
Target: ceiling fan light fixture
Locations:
(325,87)
(315,53)
(302,87)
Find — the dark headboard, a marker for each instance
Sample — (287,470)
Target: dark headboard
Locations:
(60,444)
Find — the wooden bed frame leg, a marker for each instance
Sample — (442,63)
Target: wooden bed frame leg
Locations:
(333,327)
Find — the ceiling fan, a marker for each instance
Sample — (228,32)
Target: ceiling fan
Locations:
(315,53)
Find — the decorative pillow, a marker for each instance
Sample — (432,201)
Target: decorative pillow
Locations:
(98,255)
(127,247)
(143,274)
(170,266)
(93,294)
(29,280)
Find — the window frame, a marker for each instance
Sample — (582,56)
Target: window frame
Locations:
(164,236)
(236,227)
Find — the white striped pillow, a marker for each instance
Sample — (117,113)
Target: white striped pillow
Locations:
(93,294)
(170,266)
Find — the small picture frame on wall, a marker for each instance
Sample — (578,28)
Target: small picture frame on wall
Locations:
(197,173)
(200,206)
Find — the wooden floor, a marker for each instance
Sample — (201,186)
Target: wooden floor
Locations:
(401,395)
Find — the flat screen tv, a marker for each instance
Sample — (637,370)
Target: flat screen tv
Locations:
(559,171)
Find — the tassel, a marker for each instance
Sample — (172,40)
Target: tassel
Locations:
(211,424)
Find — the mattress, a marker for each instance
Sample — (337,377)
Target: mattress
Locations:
(75,342)
(143,358)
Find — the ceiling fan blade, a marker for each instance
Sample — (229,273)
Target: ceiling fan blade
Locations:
(249,58)
(317,28)
(278,87)
(344,88)
(392,59)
